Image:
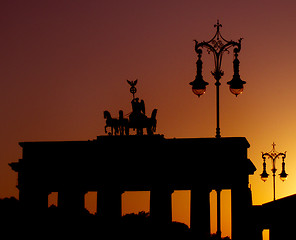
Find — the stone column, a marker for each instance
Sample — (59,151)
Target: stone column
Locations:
(161,205)
(71,201)
(33,200)
(100,203)
(109,204)
(240,208)
(200,213)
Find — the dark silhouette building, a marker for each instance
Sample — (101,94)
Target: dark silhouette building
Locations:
(278,216)
(111,165)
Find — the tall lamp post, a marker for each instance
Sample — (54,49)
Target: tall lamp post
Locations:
(217,46)
(273,155)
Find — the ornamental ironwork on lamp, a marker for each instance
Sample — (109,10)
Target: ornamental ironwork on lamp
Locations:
(217,45)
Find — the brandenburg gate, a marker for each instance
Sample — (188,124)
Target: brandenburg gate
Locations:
(110,165)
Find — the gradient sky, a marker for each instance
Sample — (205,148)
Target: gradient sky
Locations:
(64,62)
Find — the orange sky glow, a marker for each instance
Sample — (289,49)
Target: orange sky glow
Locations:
(64,62)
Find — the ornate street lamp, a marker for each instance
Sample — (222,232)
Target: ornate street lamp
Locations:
(273,155)
(217,45)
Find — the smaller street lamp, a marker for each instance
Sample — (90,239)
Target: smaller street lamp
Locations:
(273,155)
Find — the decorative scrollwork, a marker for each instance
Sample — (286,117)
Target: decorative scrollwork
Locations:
(273,154)
(218,45)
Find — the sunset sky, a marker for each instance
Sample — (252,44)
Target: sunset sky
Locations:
(62,63)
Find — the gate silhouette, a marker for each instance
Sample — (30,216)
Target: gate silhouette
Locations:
(111,165)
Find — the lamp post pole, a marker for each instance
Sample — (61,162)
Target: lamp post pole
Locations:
(217,46)
(273,155)
(218,134)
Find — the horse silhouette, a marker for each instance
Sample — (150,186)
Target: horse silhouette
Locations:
(111,122)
